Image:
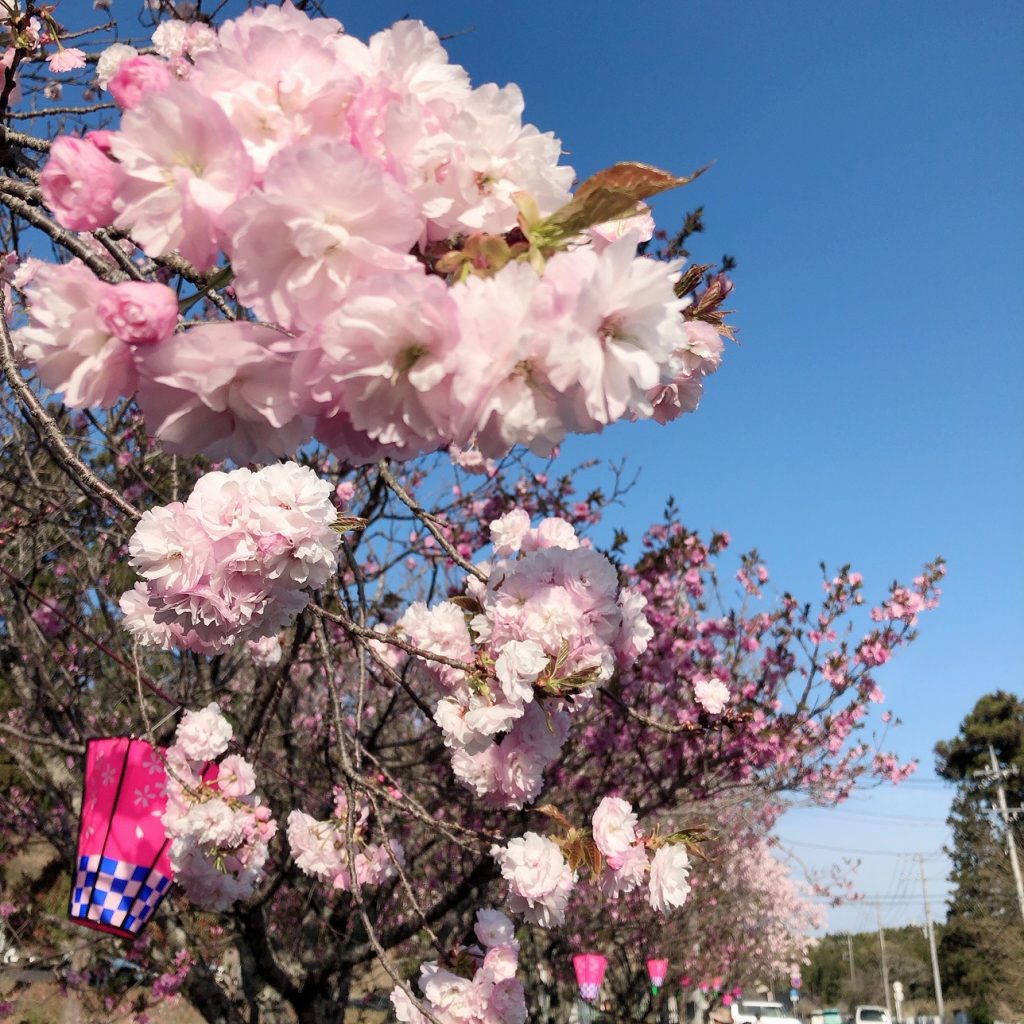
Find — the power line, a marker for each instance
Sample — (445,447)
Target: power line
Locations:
(865,815)
(851,849)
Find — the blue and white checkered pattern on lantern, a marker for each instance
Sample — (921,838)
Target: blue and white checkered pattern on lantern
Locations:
(116,893)
(589,991)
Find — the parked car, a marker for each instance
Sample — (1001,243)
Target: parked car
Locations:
(871,1015)
(750,1011)
(829,1016)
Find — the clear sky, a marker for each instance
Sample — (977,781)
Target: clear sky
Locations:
(868,180)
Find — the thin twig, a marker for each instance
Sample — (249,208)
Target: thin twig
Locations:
(429,521)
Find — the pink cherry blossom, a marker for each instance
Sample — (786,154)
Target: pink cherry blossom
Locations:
(66,59)
(233,561)
(223,389)
(184,165)
(266,652)
(204,735)
(493,928)
(507,533)
(219,830)
(182,38)
(325,218)
(669,885)
(712,694)
(539,879)
(137,77)
(614,828)
(469,182)
(625,325)
(279,85)
(72,349)
(140,312)
(386,361)
(79,183)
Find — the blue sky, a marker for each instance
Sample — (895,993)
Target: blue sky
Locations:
(867,179)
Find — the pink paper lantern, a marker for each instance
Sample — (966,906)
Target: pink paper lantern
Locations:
(589,969)
(123,870)
(727,999)
(657,969)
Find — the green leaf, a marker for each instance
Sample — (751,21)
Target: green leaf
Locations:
(221,278)
(608,195)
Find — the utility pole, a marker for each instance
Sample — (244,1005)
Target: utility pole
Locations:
(931,941)
(849,946)
(997,774)
(885,962)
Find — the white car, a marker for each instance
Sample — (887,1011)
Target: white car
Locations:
(871,1015)
(751,1011)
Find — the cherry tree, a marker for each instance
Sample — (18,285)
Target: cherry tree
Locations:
(294,325)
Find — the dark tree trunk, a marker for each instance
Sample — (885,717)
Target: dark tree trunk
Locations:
(324,1004)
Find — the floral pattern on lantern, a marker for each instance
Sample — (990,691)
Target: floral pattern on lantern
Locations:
(589,969)
(123,872)
(656,970)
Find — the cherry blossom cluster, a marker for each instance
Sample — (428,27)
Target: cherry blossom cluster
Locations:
(387,224)
(235,561)
(541,879)
(479,986)
(321,849)
(528,647)
(624,850)
(218,828)
(743,876)
(707,667)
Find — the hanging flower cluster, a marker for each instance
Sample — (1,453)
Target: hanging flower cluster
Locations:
(421,273)
(321,850)
(535,639)
(235,561)
(478,987)
(218,827)
(539,879)
(542,872)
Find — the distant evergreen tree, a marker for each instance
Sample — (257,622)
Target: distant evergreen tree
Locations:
(982,947)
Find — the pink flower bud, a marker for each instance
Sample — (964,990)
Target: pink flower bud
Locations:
(140,312)
(100,138)
(136,77)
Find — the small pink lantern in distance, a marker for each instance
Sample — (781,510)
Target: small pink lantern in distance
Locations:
(656,970)
(123,871)
(589,969)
